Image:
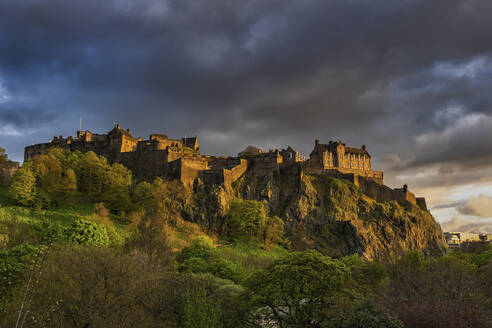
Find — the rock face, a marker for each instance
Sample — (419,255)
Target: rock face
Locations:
(328,214)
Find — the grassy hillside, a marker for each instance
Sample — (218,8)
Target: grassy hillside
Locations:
(30,225)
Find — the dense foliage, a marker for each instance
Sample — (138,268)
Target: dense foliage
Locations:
(57,176)
(249,220)
(85,232)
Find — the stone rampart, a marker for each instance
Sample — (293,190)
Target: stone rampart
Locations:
(265,163)
(189,169)
(226,162)
(224,175)
(422,203)
(147,165)
(231,175)
(383,193)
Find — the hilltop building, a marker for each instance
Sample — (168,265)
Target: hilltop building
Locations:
(181,159)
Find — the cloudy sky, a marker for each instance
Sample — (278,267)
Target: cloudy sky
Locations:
(411,79)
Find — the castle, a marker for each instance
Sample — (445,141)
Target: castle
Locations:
(181,159)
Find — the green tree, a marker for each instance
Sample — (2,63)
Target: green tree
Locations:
(367,276)
(159,205)
(23,187)
(166,198)
(150,236)
(55,181)
(207,301)
(248,219)
(245,219)
(198,310)
(273,232)
(116,193)
(44,180)
(142,195)
(302,289)
(93,171)
(60,174)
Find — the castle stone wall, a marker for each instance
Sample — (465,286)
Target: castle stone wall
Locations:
(383,193)
(231,175)
(265,163)
(422,203)
(216,162)
(223,175)
(147,165)
(189,169)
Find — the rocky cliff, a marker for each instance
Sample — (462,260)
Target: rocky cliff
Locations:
(328,214)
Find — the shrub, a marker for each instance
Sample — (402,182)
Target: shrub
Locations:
(202,257)
(193,265)
(48,231)
(85,232)
(201,247)
(226,269)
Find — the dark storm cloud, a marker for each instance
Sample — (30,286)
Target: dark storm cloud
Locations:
(411,79)
(22,117)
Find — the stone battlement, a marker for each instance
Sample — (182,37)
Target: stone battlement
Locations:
(162,156)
